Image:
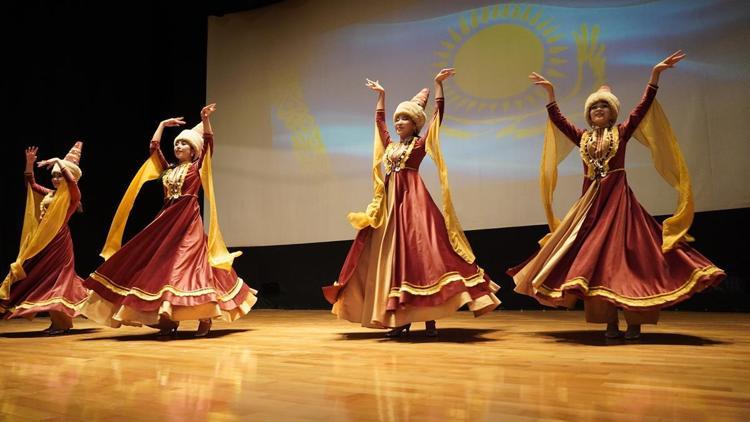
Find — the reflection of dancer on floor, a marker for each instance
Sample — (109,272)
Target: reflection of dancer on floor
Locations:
(43,278)
(170,271)
(608,250)
(408,262)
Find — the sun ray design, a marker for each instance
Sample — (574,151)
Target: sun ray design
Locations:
(494,48)
(500,43)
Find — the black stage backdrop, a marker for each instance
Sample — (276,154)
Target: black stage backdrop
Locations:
(108,72)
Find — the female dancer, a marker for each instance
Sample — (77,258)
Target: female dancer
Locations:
(43,278)
(608,250)
(408,263)
(170,271)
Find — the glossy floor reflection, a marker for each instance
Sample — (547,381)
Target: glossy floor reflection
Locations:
(305,365)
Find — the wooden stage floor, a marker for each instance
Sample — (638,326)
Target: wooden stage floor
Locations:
(306,365)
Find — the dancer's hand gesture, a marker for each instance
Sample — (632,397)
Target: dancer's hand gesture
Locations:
(207,111)
(31,154)
(48,163)
(174,121)
(665,64)
(445,74)
(375,86)
(541,81)
(670,61)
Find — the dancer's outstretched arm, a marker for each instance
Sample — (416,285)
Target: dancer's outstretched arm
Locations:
(566,126)
(156,139)
(385,136)
(639,111)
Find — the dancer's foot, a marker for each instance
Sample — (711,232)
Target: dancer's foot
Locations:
(613,330)
(167,327)
(57,331)
(203,328)
(430,329)
(399,331)
(633,332)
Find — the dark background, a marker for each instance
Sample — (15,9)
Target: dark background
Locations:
(108,72)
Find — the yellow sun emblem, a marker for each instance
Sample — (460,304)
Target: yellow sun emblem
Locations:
(495,48)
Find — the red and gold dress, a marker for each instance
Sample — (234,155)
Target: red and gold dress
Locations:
(51,283)
(164,270)
(406,270)
(608,247)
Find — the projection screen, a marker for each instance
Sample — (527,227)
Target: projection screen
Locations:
(294,126)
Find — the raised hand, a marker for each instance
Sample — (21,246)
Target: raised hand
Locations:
(207,111)
(445,74)
(541,81)
(670,61)
(31,154)
(375,86)
(47,163)
(174,121)
(665,64)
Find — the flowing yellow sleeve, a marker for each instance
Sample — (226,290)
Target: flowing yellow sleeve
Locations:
(656,134)
(35,235)
(374,215)
(455,233)
(150,170)
(556,148)
(218,255)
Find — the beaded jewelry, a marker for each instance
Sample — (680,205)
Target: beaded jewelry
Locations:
(394,165)
(173,179)
(598,146)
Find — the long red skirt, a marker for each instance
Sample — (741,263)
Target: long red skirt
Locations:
(51,282)
(164,271)
(406,270)
(609,247)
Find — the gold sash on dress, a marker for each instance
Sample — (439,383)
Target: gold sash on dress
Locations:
(35,234)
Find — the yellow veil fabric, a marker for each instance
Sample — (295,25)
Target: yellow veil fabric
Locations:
(455,232)
(35,234)
(150,170)
(656,134)
(218,255)
(556,147)
(374,215)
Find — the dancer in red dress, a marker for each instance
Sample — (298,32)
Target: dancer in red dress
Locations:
(608,250)
(171,271)
(43,278)
(408,262)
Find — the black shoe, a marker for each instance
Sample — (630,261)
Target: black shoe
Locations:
(633,332)
(399,331)
(204,327)
(612,331)
(57,331)
(167,332)
(430,329)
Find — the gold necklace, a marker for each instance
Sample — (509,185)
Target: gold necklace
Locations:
(396,164)
(603,143)
(173,179)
